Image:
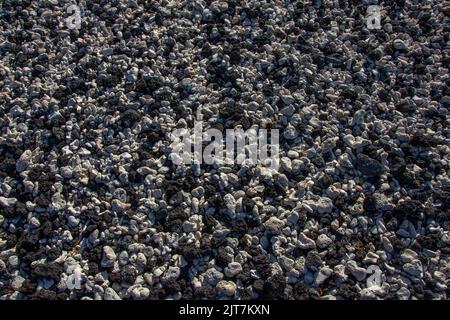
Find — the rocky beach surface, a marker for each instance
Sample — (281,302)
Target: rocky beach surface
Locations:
(92,207)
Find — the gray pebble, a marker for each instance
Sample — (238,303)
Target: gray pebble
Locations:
(108,258)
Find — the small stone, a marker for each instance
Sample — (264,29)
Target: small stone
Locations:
(189,226)
(35,223)
(358,272)
(109,257)
(293,217)
(274,225)
(141,259)
(110,294)
(408,255)
(369,167)
(24,161)
(230,203)
(403,293)
(13,262)
(292,154)
(323,274)
(7,202)
(17,282)
(414,268)
(221,233)
(283,181)
(358,117)
(313,260)
(212,276)
(131,77)
(130,117)
(288,110)
(172,273)
(227,288)
(399,44)
(381,202)
(119,206)
(108,51)
(233,269)
(324,205)
(72,221)
(323,241)
(67,172)
(140,293)
(123,258)
(305,243)
(198,192)
(387,245)
(219,6)
(196,170)
(290,133)
(286,263)
(387,27)
(287,99)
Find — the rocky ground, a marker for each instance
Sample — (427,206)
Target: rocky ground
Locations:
(91,207)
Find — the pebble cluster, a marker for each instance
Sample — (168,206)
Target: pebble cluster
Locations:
(91,207)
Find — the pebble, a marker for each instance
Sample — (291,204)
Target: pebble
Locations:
(323,274)
(172,273)
(110,294)
(323,241)
(414,268)
(358,272)
(287,99)
(16,282)
(324,205)
(24,161)
(305,242)
(403,293)
(399,44)
(233,269)
(288,110)
(7,202)
(369,167)
(212,276)
(226,288)
(109,257)
(230,203)
(274,225)
(408,256)
(198,192)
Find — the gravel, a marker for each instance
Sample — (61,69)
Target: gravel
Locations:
(359,208)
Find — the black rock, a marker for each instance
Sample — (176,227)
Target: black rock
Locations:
(49,270)
(130,117)
(369,167)
(274,287)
